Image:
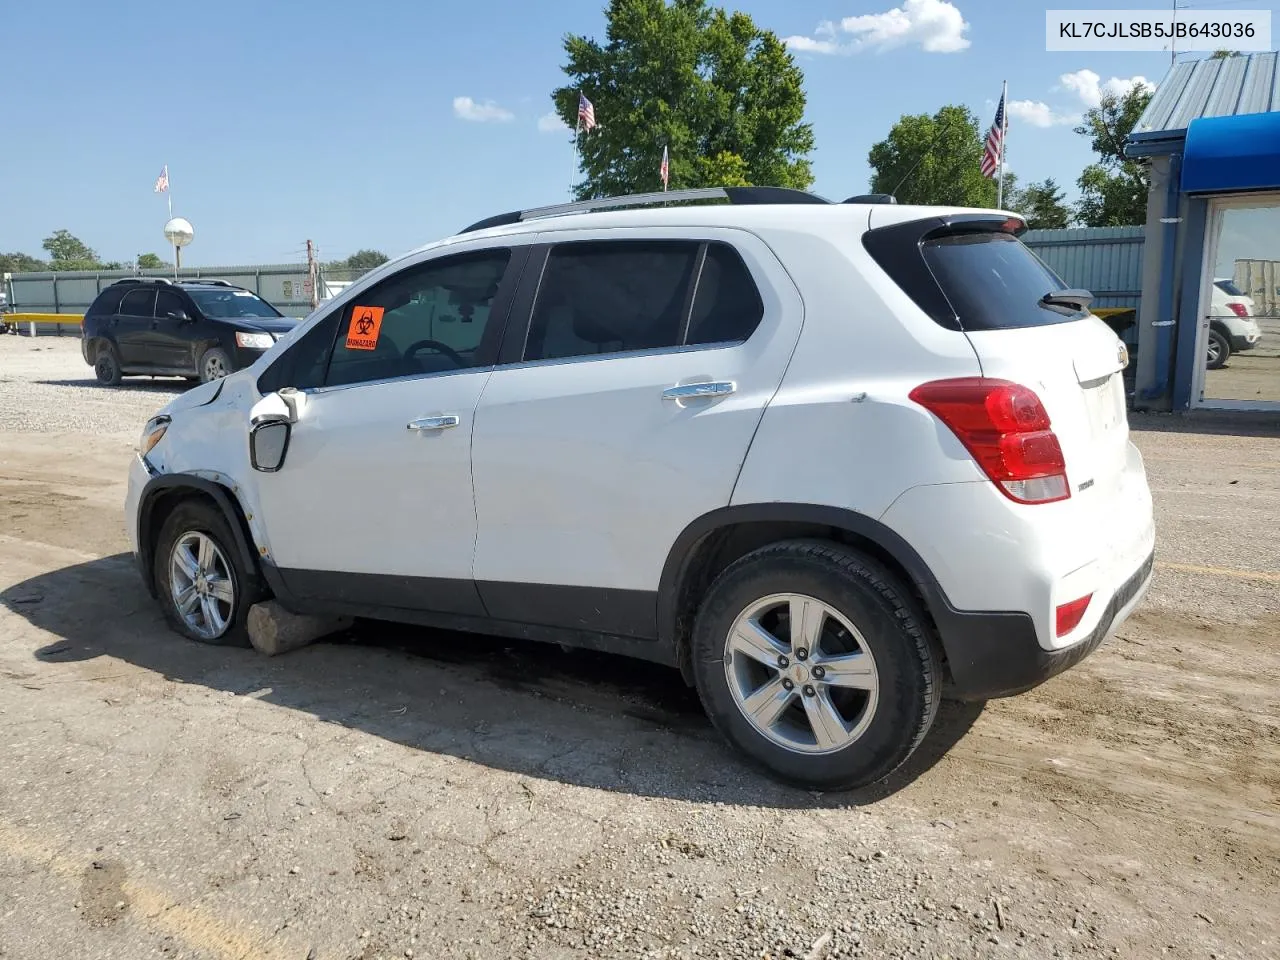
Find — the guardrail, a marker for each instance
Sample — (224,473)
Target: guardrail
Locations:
(60,319)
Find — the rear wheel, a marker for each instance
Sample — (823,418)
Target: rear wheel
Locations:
(214,364)
(106,365)
(203,585)
(1219,350)
(812,660)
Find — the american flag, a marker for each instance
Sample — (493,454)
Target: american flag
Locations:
(162,181)
(586,113)
(665,169)
(995,143)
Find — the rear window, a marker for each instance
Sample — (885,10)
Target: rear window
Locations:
(1229,288)
(992,281)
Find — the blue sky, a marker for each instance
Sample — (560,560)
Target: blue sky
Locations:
(389,124)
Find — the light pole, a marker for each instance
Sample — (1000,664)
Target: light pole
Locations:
(179,233)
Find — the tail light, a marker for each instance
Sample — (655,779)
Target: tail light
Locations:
(1006,429)
(1070,614)
(1239,309)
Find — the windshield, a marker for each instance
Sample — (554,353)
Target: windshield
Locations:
(993,281)
(231,304)
(1229,288)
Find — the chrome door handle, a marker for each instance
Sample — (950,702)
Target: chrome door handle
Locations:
(434,423)
(688,391)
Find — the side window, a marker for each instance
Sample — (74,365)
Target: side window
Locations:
(611,296)
(138,303)
(169,302)
(107,302)
(727,306)
(303,362)
(429,318)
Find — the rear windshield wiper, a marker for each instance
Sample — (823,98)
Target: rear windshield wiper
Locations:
(1068,302)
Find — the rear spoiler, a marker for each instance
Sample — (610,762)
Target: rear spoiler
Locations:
(896,248)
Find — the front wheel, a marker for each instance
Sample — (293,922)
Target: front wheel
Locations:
(214,364)
(202,582)
(1219,350)
(813,661)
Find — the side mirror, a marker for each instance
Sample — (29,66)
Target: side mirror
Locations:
(180,315)
(268,443)
(270,426)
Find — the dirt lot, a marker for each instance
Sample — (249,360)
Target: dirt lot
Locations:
(409,793)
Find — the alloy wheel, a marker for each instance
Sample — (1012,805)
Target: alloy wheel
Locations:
(201,585)
(801,673)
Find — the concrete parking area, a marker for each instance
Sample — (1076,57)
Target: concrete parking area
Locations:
(410,793)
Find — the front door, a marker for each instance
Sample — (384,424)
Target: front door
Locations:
(646,369)
(131,327)
(171,334)
(373,507)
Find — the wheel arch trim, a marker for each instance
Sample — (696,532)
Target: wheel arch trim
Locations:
(222,497)
(685,548)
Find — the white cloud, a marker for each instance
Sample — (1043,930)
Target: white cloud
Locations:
(1037,113)
(1091,88)
(467,109)
(551,123)
(936,26)
(811,45)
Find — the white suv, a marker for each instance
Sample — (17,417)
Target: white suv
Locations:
(823,458)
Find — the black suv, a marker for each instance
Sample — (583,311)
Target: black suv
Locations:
(200,329)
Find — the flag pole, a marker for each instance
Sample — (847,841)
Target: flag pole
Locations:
(1004,126)
(577,129)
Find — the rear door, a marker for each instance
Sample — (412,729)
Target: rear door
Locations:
(626,414)
(132,328)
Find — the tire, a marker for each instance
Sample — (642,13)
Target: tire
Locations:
(878,729)
(191,525)
(214,364)
(1219,350)
(106,366)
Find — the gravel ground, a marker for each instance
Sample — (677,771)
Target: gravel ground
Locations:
(46,386)
(407,793)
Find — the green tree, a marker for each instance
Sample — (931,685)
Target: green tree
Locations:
(67,252)
(1224,54)
(151,261)
(20,263)
(708,84)
(1113,190)
(1043,205)
(934,160)
(364,260)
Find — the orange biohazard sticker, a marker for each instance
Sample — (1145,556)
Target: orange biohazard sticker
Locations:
(365,324)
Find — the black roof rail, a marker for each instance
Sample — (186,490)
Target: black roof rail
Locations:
(873,198)
(735,195)
(208,281)
(128,280)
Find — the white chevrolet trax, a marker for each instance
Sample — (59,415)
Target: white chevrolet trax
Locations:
(828,460)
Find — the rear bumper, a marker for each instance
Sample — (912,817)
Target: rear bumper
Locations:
(994,655)
(1244,341)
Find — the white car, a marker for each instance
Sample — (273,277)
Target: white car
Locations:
(823,458)
(1231,324)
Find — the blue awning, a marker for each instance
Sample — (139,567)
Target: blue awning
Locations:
(1229,154)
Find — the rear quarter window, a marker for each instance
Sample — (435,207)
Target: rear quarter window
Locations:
(106,303)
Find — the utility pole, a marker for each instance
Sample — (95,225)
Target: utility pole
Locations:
(311,275)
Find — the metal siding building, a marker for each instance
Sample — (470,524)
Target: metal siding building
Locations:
(1210,134)
(1104,260)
